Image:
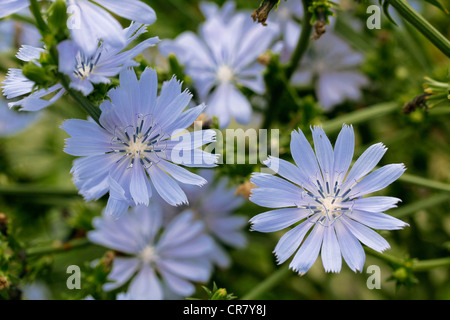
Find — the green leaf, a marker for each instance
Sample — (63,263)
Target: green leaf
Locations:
(438,4)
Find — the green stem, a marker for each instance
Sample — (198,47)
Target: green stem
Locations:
(409,178)
(58,247)
(79,98)
(24,190)
(303,41)
(421,24)
(420,205)
(430,264)
(417,266)
(276,90)
(268,283)
(385,257)
(40,23)
(359,116)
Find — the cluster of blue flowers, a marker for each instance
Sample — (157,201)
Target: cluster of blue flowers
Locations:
(171,231)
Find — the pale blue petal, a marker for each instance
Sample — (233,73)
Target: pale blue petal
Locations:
(366,235)
(95,24)
(122,270)
(351,249)
(265,180)
(177,284)
(375,204)
(8,7)
(335,88)
(167,187)
(67,56)
(133,10)
(380,221)
(343,152)
(146,285)
(181,229)
(277,220)
(29,53)
(87,138)
(365,163)
(377,180)
(83,85)
(290,241)
(217,106)
(274,198)
(305,159)
(239,106)
(309,251)
(290,172)
(197,247)
(181,174)
(194,270)
(324,153)
(331,253)
(186,119)
(138,185)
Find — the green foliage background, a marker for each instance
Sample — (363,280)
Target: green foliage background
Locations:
(44,209)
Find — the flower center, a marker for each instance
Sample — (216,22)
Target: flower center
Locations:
(148,255)
(139,143)
(330,206)
(85,66)
(225,74)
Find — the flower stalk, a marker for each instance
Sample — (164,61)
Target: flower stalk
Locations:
(269,283)
(303,41)
(422,25)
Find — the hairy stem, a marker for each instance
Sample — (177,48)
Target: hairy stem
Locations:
(40,23)
(431,264)
(58,247)
(270,282)
(362,115)
(24,190)
(421,24)
(93,111)
(303,41)
(424,182)
(420,205)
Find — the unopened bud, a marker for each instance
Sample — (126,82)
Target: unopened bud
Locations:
(203,121)
(4,283)
(262,13)
(264,59)
(245,189)
(319,29)
(3,219)
(108,259)
(3,223)
(220,294)
(37,74)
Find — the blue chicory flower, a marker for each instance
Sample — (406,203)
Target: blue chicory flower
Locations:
(84,71)
(332,66)
(8,7)
(222,58)
(166,260)
(320,194)
(89,23)
(106,62)
(214,205)
(139,144)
